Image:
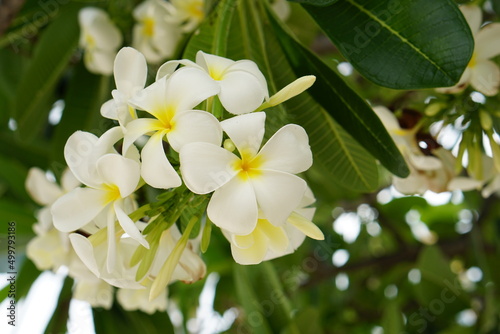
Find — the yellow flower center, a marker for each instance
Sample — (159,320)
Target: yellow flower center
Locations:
(148,27)
(195,10)
(89,41)
(473,61)
(112,193)
(248,166)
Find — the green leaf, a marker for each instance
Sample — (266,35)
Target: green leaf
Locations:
(118,321)
(392,320)
(255,319)
(439,285)
(59,319)
(342,103)
(55,47)
(404,44)
(86,93)
(13,66)
(14,175)
(319,3)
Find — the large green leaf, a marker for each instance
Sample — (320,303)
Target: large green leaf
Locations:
(12,66)
(256,321)
(342,103)
(402,44)
(54,49)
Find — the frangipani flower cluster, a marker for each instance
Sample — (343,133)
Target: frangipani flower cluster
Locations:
(159,27)
(174,135)
(435,171)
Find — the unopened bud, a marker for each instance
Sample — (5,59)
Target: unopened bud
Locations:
(485,119)
(434,108)
(229,145)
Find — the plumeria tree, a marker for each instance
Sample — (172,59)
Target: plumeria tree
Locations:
(252,166)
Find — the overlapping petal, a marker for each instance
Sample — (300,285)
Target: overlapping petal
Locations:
(287,150)
(130,71)
(246,131)
(156,170)
(42,190)
(194,126)
(120,172)
(234,207)
(486,77)
(206,167)
(77,208)
(278,194)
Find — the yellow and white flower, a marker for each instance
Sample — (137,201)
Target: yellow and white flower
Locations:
(171,101)
(253,180)
(482,73)
(153,34)
(99,38)
(110,180)
(130,72)
(242,86)
(268,241)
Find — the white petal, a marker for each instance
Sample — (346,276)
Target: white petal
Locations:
(40,189)
(254,254)
(424,162)
(278,194)
(79,149)
(170,66)
(85,252)
(487,41)
(473,15)
(130,70)
(68,180)
(187,87)
(387,118)
(206,167)
(99,61)
(241,92)
(233,207)
(111,236)
(128,225)
(77,208)
(464,183)
(278,239)
(139,127)
(287,150)
(194,126)
(119,171)
(109,109)
(156,169)
(252,68)
(305,226)
(485,77)
(246,131)
(212,63)
(152,99)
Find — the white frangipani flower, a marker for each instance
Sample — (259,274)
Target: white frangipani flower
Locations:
(434,172)
(255,179)
(110,179)
(100,39)
(243,87)
(49,249)
(186,13)
(95,291)
(171,102)
(268,241)
(482,73)
(130,71)
(154,35)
